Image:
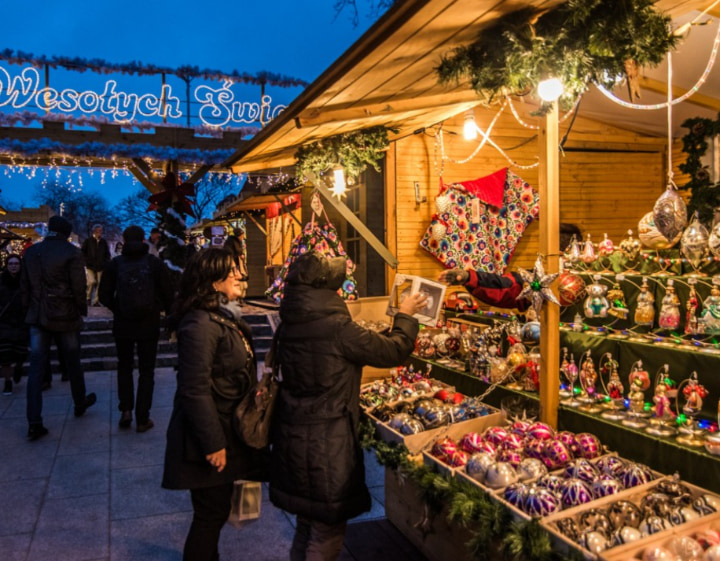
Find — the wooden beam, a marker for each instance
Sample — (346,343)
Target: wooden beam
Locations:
(698,99)
(142,178)
(354,221)
(252,219)
(199,173)
(549,183)
(362,110)
(287,210)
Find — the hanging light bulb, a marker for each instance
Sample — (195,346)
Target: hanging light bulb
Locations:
(339,184)
(469,127)
(550,89)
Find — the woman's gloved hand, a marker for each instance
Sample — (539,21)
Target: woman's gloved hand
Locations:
(454,276)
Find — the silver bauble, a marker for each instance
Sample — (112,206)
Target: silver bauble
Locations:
(670,213)
(694,242)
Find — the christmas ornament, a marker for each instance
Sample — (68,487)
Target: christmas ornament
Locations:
(636,401)
(691,307)
(571,372)
(685,547)
(551,482)
(512,457)
(569,440)
(624,513)
(478,464)
(670,310)
(594,519)
(693,392)
(714,240)
(439,230)
(571,287)
(626,534)
(572,252)
(515,494)
(611,465)
(554,454)
(606,247)
(536,286)
(582,469)
(661,422)
(594,542)
(630,247)
(589,445)
(531,468)
(495,435)
(636,474)
(499,475)
(540,502)
(670,213)
(443,203)
(471,442)
(574,492)
(658,553)
(588,255)
(653,525)
(710,316)
(606,485)
(588,379)
(645,311)
(651,237)
(596,304)
(618,306)
(540,431)
(444,448)
(694,242)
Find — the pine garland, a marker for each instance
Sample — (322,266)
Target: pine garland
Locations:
(705,195)
(354,151)
(469,506)
(578,42)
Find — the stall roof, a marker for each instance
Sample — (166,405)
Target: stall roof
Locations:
(388,78)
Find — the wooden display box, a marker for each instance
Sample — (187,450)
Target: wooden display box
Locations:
(416,442)
(635,495)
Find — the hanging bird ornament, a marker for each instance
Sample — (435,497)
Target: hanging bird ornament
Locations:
(536,286)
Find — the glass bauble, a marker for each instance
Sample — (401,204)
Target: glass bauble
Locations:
(714,240)
(570,288)
(670,214)
(606,247)
(588,254)
(630,247)
(651,237)
(694,242)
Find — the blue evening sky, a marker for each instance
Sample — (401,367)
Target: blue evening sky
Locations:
(294,38)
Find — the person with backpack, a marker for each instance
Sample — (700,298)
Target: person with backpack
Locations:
(136,288)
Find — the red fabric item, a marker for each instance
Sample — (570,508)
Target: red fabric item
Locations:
(272,210)
(503,296)
(490,189)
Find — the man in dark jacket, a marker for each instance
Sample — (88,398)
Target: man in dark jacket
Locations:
(53,290)
(317,469)
(136,321)
(96,252)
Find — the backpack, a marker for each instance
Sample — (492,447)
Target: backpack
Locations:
(135,289)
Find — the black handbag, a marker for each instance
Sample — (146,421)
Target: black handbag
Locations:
(252,420)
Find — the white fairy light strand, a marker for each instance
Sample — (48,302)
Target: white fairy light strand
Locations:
(699,84)
(520,120)
(482,142)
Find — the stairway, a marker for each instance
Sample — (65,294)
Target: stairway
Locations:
(98,345)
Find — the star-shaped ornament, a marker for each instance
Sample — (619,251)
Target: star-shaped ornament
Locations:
(536,286)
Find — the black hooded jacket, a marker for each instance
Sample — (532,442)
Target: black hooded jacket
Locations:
(317,466)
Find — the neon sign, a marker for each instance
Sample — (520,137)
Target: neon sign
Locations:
(218,106)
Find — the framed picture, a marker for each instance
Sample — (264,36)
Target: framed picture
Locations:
(405,285)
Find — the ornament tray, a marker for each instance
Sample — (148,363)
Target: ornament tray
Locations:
(415,443)
(634,495)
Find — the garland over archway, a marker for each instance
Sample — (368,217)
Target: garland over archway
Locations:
(704,194)
(578,42)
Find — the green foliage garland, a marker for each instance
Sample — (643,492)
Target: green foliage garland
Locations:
(577,42)
(705,195)
(469,506)
(354,151)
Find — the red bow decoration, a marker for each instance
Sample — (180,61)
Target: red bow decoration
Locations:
(173,193)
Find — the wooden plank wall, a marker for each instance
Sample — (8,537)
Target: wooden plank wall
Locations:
(609,178)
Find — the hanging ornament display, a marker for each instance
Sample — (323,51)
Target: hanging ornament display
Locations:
(694,393)
(714,240)
(694,242)
(630,247)
(639,381)
(572,252)
(571,287)
(588,254)
(618,306)
(645,311)
(596,304)
(606,247)
(663,416)
(670,213)
(651,237)
(691,311)
(710,316)
(536,286)
(614,388)
(670,310)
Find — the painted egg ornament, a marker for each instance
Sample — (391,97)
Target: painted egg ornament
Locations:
(499,475)
(531,468)
(574,492)
(595,519)
(540,502)
(680,515)
(582,469)
(444,448)
(541,431)
(512,457)
(555,454)
(606,247)
(520,428)
(712,553)
(478,464)
(606,485)
(471,442)
(551,482)
(412,426)
(626,534)
(704,506)
(513,442)
(658,553)
(495,435)
(534,448)
(515,494)
(624,513)
(636,474)
(672,487)
(568,528)
(569,440)
(657,504)
(652,525)
(458,459)
(589,445)
(594,542)
(611,465)
(670,213)
(651,237)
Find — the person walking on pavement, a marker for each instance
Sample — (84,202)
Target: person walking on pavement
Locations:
(96,252)
(136,288)
(53,288)
(14,335)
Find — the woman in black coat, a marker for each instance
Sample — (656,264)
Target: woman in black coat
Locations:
(316,469)
(216,368)
(14,333)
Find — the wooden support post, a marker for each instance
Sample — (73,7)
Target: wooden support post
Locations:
(549,182)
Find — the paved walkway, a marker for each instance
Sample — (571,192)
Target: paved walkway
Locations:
(89,491)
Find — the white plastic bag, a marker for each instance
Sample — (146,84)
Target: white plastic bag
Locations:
(246,502)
